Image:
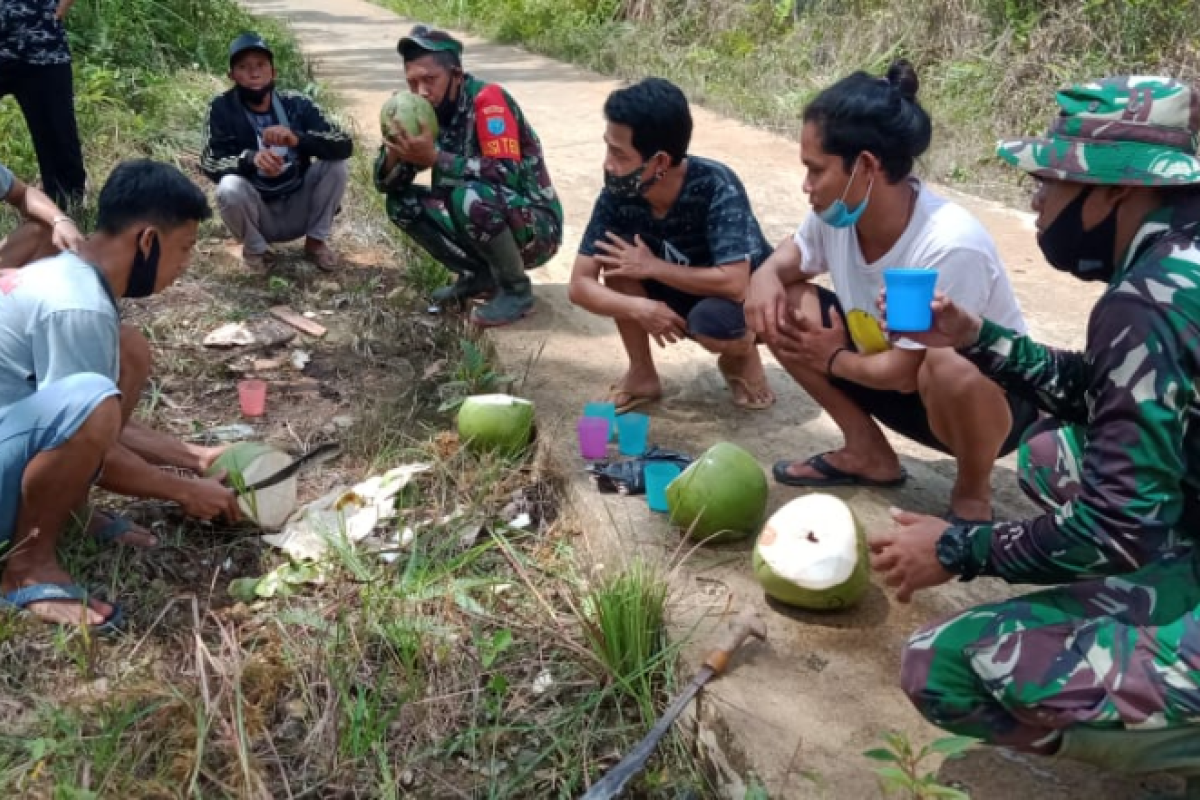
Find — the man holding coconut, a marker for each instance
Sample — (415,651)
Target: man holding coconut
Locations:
(70,377)
(491,212)
(1105,669)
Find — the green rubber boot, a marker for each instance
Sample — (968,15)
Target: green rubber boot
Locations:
(468,285)
(514,299)
(474,274)
(1175,751)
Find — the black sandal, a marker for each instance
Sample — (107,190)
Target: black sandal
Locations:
(831,475)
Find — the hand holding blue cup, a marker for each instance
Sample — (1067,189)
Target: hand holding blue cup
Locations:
(910,299)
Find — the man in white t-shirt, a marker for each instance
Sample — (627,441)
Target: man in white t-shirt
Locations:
(871,214)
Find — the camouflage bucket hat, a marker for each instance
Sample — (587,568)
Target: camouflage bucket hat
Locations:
(1142,131)
(422,40)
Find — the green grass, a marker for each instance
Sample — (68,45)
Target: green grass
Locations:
(144,74)
(460,667)
(624,621)
(988,67)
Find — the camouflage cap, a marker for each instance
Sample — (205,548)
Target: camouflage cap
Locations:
(1136,130)
(422,40)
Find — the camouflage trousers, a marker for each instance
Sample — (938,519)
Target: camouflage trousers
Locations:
(1114,652)
(451,222)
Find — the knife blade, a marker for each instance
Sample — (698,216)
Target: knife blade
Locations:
(318,455)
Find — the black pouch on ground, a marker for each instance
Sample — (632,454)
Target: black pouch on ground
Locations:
(627,476)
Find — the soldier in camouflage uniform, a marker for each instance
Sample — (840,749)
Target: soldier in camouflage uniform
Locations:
(1105,669)
(491,212)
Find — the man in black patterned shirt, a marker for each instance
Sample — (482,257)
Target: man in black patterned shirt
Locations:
(670,248)
(35,68)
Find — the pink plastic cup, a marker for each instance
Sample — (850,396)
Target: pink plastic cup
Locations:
(252,395)
(593,437)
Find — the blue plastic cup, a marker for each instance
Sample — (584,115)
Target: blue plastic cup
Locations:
(606,410)
(909,299)
(632,430)
(658,475)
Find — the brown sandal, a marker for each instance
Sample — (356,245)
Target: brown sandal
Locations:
(631,401)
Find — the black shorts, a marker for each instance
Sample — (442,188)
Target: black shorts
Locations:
(713,317)
(903,412)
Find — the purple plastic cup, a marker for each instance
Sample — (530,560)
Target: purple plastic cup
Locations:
(593,437)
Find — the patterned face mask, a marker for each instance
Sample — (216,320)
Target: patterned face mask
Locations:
(630,185)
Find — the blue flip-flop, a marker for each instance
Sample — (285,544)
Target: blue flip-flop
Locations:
(21,599)
(116,527)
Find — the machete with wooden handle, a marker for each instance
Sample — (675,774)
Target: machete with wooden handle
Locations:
(746,624)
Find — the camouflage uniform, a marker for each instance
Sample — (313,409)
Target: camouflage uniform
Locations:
(1116,468)
(476,195)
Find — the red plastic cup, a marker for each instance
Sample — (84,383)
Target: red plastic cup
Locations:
(593,437)
(252,394)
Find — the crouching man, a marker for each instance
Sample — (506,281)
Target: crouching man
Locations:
(70,377)
(279,163)
(1106,668)
(491,212)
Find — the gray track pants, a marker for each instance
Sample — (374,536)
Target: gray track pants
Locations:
(307,212)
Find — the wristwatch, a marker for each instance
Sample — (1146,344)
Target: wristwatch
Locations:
(955,555)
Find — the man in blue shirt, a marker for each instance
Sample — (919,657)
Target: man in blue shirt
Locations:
(70,377)
(670,248)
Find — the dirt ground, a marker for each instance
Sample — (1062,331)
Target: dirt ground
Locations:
(825,688)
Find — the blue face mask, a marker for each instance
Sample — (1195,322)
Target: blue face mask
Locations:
(838,215)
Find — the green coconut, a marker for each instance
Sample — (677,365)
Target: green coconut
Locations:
(248,462)
(408,111)
(496,423)
(721,497)
(812,554)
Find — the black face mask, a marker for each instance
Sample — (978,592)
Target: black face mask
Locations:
(253,97)
(1088,255)
(448,104)
(144,275)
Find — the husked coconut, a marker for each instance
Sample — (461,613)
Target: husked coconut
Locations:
(248,462)
(496,423)
(812,554)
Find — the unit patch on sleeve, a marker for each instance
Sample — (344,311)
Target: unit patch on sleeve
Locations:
(496,125)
